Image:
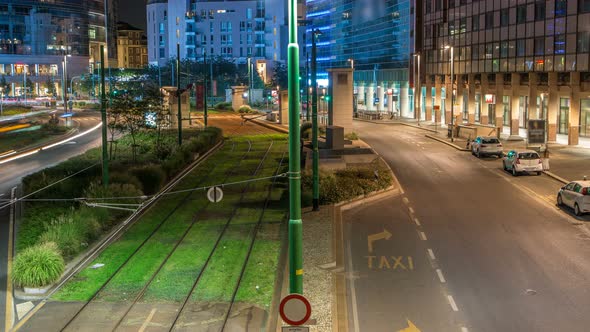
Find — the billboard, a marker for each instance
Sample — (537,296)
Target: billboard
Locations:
(536,131)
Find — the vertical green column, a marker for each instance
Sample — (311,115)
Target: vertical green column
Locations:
(314,122)
(295,223)
(103,115)
(178,93)
(205,88)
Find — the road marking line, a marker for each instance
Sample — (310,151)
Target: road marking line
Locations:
(28,316)
(411,210)
(452,303)
(464,329)
(417,222)
(355,317)
(431,254)
(147,320)
(423,236)
(440,276)
(405,200)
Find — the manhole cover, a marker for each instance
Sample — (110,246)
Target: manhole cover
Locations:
(530,292)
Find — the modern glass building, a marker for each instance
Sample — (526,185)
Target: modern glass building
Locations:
(514,61)
(35,35)
(374,37)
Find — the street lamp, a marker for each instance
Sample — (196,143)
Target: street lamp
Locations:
(452,88)
(295,222)
(351,63)
(65,82)
(417,87)
(314,121)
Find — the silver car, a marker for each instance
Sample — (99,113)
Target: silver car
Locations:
(487,146)
(521,161)
(575,195)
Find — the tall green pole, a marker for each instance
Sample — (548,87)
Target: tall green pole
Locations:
(103,115)
(295,223)
(205,89)
(178,93)
(314,123)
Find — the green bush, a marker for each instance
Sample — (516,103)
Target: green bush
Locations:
(223,106)
(151,176)
(97,190)
(245,109)
(352,136)
(126,178)
(305,130)
(67,235)
(38,266)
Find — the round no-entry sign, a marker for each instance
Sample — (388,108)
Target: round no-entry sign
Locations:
(295,309)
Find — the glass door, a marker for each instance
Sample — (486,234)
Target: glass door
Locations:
(585,117)
(477,107)
(564,112)
(523,105)
(506,102)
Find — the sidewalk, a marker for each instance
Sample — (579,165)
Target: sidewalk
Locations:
(567,163)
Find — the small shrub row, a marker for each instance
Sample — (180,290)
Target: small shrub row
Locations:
(223,106)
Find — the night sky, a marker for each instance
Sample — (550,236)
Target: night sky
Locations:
(132,12)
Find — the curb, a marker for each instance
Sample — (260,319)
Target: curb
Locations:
(445,142)
(78,263)
(557,177)
(397,123)
(270,126)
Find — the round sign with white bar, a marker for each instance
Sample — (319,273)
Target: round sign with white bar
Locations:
(214,194)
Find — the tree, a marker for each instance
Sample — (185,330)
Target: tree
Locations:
(50,86)
(133,120)
(280,75)
(115,124)
(4,85)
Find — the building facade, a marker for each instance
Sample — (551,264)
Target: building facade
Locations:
(237,30)
(376,38)
(514,61)
(39,39)
(131,47)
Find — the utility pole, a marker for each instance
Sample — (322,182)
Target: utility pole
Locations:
(103,115)
(205,87)
(314,121)
(178,93)
(295,222)
(306,84)
(249,83)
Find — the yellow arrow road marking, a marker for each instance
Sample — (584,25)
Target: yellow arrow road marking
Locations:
(411,327)
(385,235)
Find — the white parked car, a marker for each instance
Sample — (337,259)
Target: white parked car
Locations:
(487,146)
(520,161)
(575,195)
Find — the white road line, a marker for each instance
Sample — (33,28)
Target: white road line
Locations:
(464,329)
(355,315)
(431,254)
(423,236)
(147,320)
(452,303)
(417,222)
(405,200)
(440,276)
(411,210)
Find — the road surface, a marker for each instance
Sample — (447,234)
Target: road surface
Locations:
(471,248)
(12,172)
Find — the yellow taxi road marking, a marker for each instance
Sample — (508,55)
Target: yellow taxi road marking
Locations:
(28,316)
(402,263)
(411,327)
(147,320)
(431,254)
(440,276)
(423,236)
(452,303)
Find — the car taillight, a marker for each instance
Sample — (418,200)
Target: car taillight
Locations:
(540,161)
(484,146)
(499,145)
(585,191)
(518,161)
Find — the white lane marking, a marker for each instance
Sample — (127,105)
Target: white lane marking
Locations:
(147,321)
(452,303)
(431,254)
(355,317)
(464,329)
(411,210)
(440,276)
(406,200)
(423,236)
(417,222)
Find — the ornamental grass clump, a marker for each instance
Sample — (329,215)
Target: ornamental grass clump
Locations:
(38,266)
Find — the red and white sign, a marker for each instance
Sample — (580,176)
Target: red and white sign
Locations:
(389,92)
(295,309)
(490,99)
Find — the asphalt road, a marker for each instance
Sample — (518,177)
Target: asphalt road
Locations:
(502,256)
(11,173)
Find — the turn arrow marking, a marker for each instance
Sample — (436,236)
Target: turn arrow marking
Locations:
(385,235)
(411,327)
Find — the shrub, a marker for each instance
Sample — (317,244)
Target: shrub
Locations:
(351,136)
(305,130)
(126,178)
(67,235)
(97,190)
(38,266)
(245,109)
(223,106)
(151,176)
